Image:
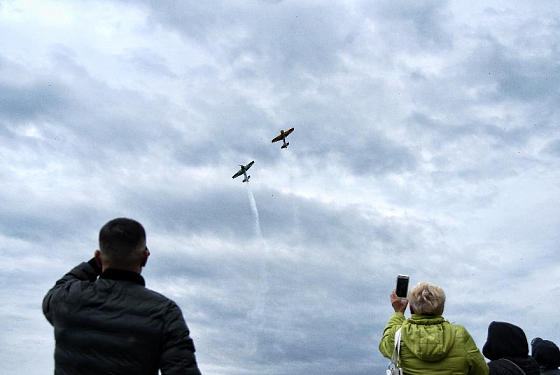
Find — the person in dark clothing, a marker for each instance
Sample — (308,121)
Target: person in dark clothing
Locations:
(114,324)
(547,355)
(507,349)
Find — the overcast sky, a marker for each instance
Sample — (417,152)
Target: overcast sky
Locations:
(426,142)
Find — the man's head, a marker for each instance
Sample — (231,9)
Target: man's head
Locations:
(426,299)
(122,245)
(546,353)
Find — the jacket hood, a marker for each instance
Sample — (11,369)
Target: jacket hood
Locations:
(505,340)
(429,338)
(546,353)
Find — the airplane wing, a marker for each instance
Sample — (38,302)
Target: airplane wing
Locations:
(288,132)
(249,165)
(279,138)
(238,173)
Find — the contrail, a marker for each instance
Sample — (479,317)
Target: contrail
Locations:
(257,315)
(255,212)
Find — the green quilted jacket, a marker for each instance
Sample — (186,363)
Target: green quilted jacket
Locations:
(432,346)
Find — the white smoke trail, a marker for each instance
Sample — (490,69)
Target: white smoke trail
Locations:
(257,315)
(255,212)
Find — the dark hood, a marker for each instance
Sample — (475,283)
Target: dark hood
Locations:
(505,340)
(546,353)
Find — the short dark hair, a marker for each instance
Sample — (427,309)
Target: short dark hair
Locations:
(120,239)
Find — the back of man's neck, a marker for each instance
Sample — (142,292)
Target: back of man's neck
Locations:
(137,269)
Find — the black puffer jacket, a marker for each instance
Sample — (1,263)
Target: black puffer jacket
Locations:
(505,366)
(114,325)
(508,351)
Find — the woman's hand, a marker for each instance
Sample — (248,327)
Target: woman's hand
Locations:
(398,303)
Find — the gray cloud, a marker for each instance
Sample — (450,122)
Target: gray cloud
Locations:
(285,49)
(416,26)
(300,36)
(283,217)
(516,76)
(149,62)
(554,148)
(26,101)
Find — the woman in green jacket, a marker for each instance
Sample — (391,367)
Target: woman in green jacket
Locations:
(430,345)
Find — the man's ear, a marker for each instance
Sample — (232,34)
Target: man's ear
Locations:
(145,257)
(97,256)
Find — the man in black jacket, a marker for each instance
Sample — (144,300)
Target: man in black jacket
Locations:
(113,324)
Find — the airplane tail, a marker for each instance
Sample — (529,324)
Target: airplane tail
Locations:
(247,179)
(286,145)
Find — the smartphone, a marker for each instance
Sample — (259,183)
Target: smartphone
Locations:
(402,286)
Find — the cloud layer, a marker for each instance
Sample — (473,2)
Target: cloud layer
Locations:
(426,143)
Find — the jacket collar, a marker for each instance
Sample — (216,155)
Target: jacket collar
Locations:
(427,320)
(124,275)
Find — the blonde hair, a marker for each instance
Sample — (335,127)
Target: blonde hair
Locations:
(426,299)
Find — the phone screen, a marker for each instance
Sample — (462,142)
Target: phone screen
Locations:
(402,286)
